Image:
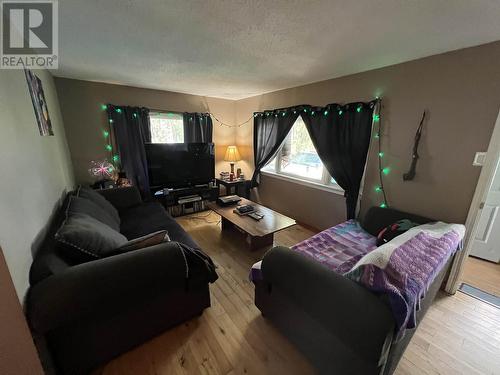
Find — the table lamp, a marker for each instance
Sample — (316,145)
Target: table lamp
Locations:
(232,156)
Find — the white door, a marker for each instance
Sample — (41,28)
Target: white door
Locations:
(487,242)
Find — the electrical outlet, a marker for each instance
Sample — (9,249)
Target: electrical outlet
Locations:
(479,159)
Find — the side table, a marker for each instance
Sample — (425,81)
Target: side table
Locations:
(237,187)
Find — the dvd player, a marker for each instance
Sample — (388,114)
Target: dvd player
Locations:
(228,200)
(189,199)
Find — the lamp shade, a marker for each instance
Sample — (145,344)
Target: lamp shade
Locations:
(232,154)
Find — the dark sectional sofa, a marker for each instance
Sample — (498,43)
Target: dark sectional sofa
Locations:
(83,315)
(342,327)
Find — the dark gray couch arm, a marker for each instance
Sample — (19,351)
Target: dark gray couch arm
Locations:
(122,197)
(348,311)
(103,287)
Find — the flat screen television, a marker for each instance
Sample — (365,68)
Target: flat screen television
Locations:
(178,165)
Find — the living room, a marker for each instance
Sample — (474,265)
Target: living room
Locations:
(125,246)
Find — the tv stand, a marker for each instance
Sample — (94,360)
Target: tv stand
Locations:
(183,201)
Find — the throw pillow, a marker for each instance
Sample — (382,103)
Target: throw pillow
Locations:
(145,241)
(99,200)
(78,205)
(394,230)
(82,238)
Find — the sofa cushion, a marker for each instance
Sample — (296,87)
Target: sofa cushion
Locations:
(151,239)
(151,217)
(102,202)
(82,238)
(78,205)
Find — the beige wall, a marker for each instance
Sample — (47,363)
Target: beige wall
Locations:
(84,119)
(461,92)
(35,171)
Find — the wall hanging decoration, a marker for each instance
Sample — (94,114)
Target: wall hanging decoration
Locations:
(39,103)
(410,175)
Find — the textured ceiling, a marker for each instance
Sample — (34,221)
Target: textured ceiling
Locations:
(241,48)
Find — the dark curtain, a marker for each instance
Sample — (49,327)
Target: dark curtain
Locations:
(269,131)
(198,128)
(341,136)
(131,130)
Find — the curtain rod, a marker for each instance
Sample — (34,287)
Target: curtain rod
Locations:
(377,99)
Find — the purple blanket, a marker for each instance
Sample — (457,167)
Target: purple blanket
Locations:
(339,248)
(404,268)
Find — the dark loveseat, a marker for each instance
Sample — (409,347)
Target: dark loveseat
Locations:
(83,315)
(339,325)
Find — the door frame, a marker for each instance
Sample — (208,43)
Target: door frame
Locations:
(471,224)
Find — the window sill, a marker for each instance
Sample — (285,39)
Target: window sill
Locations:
(335,189)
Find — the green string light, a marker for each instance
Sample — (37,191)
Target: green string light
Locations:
(312,113)
(116,158)
(118,110)
(305,110)
(283,114)
(135,115)
(105,133)
(104,107)
(358,109)
(383,171)
(340,112)
(109,148)
(110,120)
(325,113)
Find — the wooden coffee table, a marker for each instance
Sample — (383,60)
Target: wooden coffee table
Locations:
(258,233)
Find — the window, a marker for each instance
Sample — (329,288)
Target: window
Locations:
(298,159)
(166,127)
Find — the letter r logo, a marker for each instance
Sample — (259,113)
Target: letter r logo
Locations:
(27,27)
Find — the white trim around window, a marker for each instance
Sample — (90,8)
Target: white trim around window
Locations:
(298,142)
(332,188)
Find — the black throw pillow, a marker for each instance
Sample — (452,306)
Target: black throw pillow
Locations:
(78,205)
(82,238)
(98,199)
(394,230)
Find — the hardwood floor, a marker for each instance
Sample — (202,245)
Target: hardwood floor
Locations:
(483,275)
(459,335)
